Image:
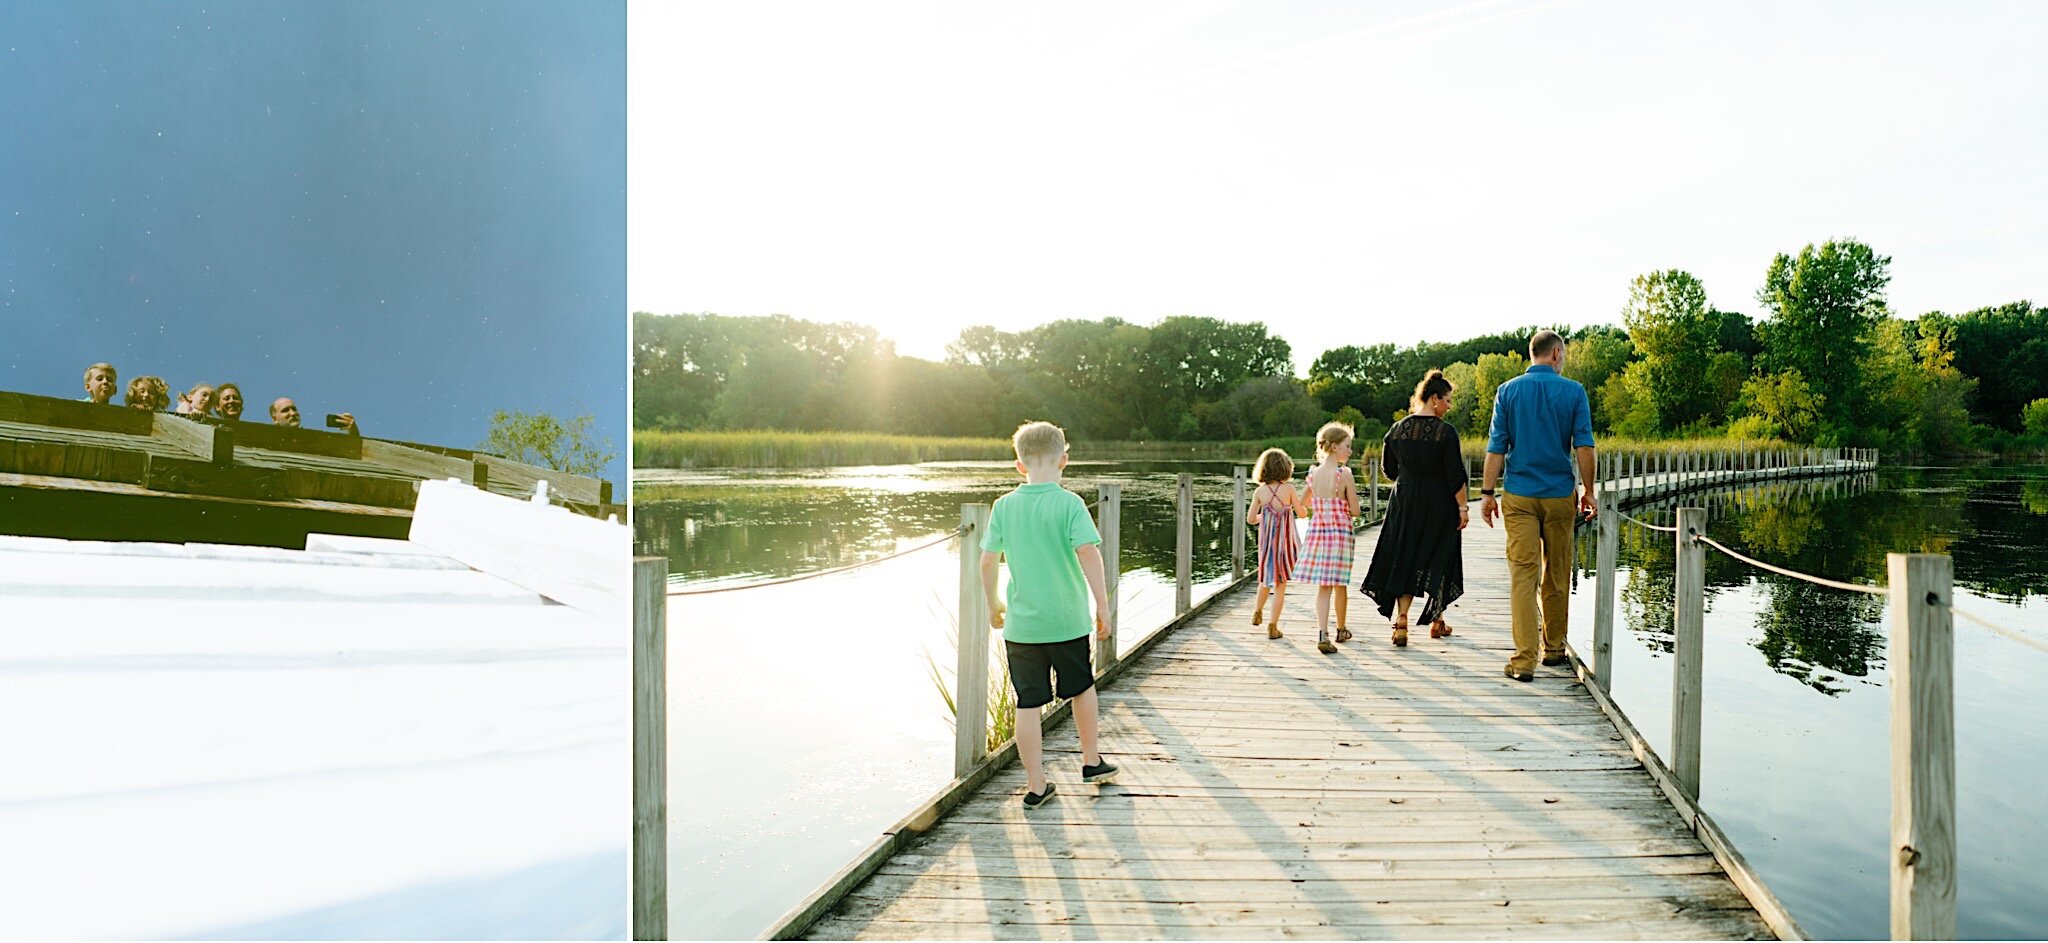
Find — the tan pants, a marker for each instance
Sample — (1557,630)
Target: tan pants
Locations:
(1539,532)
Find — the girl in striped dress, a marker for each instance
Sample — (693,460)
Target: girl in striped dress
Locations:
(1273,508)
(1331,499)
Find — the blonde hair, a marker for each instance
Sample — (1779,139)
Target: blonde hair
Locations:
(1274,466)
(149,393)
(1331,435)
(112,374)
(1037,442)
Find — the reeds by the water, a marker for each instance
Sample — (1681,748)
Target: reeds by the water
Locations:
(779,449)
(763,448)
(1002,699)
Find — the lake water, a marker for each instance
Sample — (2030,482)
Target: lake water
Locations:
(805,718)
(1796,734)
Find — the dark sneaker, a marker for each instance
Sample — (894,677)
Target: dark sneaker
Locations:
(1556,660)
(1100,772)
(1523,676)
(1033,800)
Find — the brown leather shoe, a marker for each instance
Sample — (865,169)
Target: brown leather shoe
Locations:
(1556,660)
(1523,677)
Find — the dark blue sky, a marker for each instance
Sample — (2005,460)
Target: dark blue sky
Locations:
(413,211)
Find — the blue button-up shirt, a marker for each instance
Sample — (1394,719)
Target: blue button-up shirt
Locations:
(1538,418)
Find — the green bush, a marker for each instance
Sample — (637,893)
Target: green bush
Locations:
(2034,417)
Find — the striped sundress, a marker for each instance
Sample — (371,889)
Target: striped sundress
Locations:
(1326,553)
(1278,543)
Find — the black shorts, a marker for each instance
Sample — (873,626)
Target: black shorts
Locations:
(1033,664)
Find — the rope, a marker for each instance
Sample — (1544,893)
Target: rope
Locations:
(2008,633)
(1639,522)
(942,538)
(1795,574)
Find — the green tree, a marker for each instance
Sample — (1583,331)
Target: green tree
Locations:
(1488,374)
(1625,402)
(2034,418)
(1464,414)
(1670,323)
(1784,400)
(2006,349)
(1823,305)
(541,439)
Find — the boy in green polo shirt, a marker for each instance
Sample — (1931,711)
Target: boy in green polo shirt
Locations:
(1052,547)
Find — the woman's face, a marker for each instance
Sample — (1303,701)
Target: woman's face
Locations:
(1439,405)
(231,403)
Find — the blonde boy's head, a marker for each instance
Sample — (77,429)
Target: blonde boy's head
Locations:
(1040,445)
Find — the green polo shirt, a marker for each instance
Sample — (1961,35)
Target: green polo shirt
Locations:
(1037,528)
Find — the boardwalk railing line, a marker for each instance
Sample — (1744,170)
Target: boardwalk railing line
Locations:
(1920,659)
(1795,574)
(942,538)
(1646,525)
(2001,630)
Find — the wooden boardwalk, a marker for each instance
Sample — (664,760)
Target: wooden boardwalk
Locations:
(1270,791)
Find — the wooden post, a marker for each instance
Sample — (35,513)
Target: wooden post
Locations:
(1375,487)
(970,697)
(480,475)
(1109,517)
(1236,524)
(1921,654)
(650,748)
(1689,604)
(1183,544)
(1603,605)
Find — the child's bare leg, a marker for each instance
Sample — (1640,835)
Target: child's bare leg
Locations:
(1260,606)
(1084,724)
(1279,598)
(1031,748)
(1343,605)
(1323,610)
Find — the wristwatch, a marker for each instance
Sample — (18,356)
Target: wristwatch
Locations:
(1486,492)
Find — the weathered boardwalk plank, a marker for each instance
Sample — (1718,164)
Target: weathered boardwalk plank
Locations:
(1270,791)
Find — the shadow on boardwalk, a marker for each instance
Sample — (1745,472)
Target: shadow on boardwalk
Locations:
(1271,791)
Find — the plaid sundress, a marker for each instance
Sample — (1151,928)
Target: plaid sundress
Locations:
(1326,553)
(1278,543)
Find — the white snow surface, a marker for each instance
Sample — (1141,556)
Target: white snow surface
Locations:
(246,743)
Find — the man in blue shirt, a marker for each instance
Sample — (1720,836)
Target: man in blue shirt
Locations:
(1541,423)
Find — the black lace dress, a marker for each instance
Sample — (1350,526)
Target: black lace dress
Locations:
(1419,552)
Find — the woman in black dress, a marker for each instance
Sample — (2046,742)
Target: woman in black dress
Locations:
(1418,552)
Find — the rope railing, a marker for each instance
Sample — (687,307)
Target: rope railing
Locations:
(2001,630)
(1795,574)
(1646,525)
(784,581)
(942,538)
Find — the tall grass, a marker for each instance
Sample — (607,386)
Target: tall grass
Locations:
(1002,699)
(767,448)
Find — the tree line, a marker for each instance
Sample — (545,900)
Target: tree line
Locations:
(1825,363)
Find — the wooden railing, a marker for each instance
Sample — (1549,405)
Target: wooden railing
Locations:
(1920,660)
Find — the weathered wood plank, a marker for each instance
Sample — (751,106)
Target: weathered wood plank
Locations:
(1269,790)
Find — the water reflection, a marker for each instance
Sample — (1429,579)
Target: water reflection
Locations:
(1992,520)
(743,526)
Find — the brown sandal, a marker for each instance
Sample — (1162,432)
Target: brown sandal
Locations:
(1343,634)
(1400,635)
(1439,629)
(1258,615)
(1273,631)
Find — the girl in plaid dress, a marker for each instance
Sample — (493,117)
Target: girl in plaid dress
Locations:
(1332,501)
(1273,509)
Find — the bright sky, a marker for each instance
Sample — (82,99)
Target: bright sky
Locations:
(413,212)
(1345,172)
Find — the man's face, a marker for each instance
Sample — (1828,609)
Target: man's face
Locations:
(99,384)
(284,412)
(230,403)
